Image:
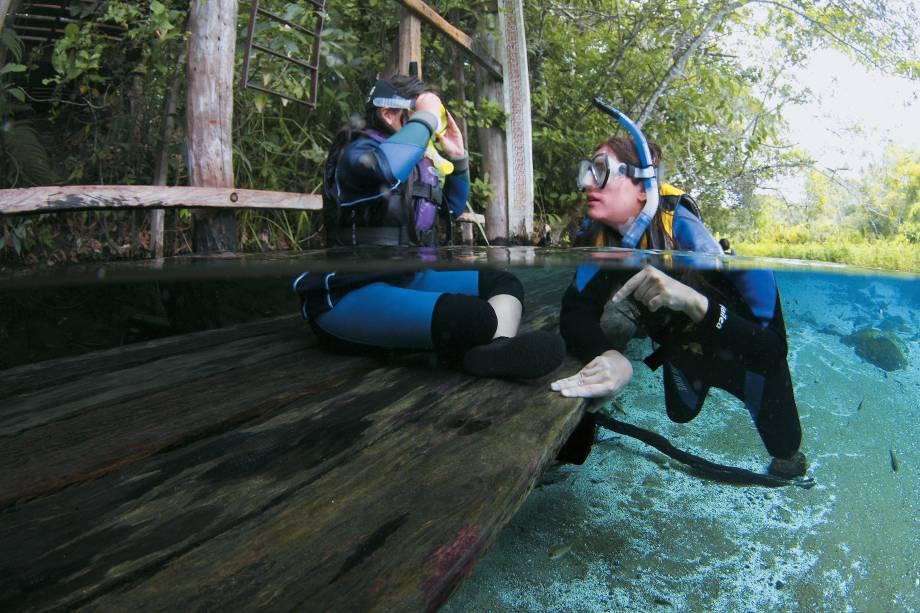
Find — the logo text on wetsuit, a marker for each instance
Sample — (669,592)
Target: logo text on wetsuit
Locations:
(723,315)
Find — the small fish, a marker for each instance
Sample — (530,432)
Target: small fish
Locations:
(618,407)
(894,460)
(859,408)
(557,552)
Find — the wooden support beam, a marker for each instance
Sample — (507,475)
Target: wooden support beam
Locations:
(410,44)
(519,137)
(492,139)
(431,16)
(7,7)
(83,197)
(4,7)
(209,112)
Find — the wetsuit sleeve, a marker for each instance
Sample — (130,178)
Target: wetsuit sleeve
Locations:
(759,348)
(405,149)
(582,308)
(368,169)
(457,186)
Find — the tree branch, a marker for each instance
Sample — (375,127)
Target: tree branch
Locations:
(677,68)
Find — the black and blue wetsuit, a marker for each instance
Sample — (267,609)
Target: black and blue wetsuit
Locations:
(387,194)
(739,346)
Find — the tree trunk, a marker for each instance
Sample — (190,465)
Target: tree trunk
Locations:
(492,140)
(209,105)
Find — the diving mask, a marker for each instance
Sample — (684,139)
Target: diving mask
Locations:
(599,170)
(385,95)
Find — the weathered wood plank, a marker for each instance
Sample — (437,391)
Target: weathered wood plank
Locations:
(91,444)
(303,481)
(26,411)
(379,493)
(32,377)
(83,197)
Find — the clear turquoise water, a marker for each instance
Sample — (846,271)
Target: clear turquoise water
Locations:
(632,531)
(629,530)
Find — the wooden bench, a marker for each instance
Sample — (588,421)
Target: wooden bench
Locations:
(245,467)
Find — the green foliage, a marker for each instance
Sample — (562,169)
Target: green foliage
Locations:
(671,63)
(895,255)
(26,160)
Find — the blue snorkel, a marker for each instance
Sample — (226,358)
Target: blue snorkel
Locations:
(637,228)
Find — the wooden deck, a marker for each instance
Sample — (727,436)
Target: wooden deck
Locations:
(243,467)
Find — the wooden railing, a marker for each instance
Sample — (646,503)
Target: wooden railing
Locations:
(84,197)
(114,197)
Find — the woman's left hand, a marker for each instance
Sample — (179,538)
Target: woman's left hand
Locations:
(603,376)
(452,139)
(655,290)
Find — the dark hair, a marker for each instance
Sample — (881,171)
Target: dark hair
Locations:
(625,150)
(407,87)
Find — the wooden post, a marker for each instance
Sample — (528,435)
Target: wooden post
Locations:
(5,6)
(491,139)
(212,24)
(410,42)
(519,137)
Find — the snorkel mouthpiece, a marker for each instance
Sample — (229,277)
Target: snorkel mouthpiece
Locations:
(635,231)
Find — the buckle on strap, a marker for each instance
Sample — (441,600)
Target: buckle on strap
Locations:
(655,359)
(427,192)
(383,236)
(637,172)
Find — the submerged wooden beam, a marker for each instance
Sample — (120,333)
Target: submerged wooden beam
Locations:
(458,37)
(244,468)
(82,197)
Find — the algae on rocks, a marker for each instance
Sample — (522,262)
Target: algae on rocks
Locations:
(880,347)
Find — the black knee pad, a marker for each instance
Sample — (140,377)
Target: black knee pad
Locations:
(461,322)
(498,282)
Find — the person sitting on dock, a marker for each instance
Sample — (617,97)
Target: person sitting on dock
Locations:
(385,185)
(712,328)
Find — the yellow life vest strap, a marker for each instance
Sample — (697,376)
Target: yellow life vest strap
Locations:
(666,217)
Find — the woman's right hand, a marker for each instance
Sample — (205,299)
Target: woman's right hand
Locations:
(605,375)
(429,102)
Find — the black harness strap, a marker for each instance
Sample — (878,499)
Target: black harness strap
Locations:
(718,472)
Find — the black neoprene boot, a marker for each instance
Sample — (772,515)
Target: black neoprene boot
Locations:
(789,468)
(526,356)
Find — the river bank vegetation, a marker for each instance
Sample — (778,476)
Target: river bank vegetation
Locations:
(91,108)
